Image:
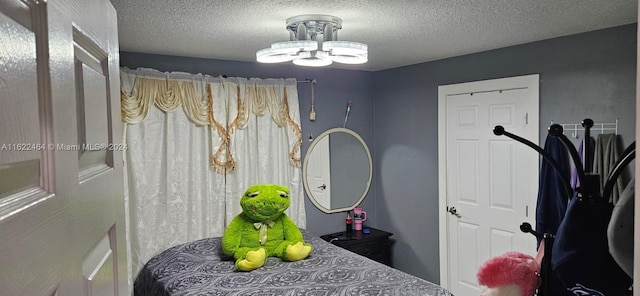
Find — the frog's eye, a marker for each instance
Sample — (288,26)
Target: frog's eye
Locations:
(253,194)
(283,194)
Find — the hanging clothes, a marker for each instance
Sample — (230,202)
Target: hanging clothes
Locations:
(552,199)
(552,196)
(606,154)
(575,182)
(581,258)
(620,231)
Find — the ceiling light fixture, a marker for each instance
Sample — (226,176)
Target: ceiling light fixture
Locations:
(313,41)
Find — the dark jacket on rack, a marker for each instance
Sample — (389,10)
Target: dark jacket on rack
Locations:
(552,197)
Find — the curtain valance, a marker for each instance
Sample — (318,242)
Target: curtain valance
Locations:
(225,104)
(167,95)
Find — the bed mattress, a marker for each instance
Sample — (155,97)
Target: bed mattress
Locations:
(200,268)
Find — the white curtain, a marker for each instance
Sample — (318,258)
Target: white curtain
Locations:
(187,169)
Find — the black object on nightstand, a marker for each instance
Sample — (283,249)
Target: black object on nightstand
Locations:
(375,245)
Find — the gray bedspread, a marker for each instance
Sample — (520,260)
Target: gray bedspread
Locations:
(200,268)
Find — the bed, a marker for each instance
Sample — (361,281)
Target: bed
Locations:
(200,268)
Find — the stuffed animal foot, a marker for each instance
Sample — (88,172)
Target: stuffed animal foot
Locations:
(297,252)
(253,260)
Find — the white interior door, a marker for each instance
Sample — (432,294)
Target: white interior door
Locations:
(319,173)
(488,183)
(61,182)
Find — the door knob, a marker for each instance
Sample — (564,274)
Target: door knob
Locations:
(453,211)
(322,187)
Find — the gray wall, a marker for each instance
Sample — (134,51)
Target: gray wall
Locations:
(589,75)
(333,90)
(395,111)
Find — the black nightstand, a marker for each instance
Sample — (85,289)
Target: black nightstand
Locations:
(375,245)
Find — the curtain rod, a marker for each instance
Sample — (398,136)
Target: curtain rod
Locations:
(308,80)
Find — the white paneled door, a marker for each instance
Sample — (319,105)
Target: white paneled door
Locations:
(488,182)
(61,183)
(319,173)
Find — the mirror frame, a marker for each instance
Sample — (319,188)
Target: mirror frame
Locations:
(305,165)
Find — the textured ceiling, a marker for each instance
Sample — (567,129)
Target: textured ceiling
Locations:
(398,32)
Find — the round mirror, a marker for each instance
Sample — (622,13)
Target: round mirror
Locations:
(337,170)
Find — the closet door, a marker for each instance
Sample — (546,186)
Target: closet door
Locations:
(488,183)
(61,183)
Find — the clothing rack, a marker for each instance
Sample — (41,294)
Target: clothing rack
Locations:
(602,127)
(588,193)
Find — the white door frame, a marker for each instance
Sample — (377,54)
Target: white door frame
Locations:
(527,81)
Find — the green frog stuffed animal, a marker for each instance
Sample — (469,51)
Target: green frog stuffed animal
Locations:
(263,229)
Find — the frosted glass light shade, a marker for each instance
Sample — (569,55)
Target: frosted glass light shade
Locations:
(315,59)
(346,52)
(345,47)
(346,59)
(294,46)
(267,55)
